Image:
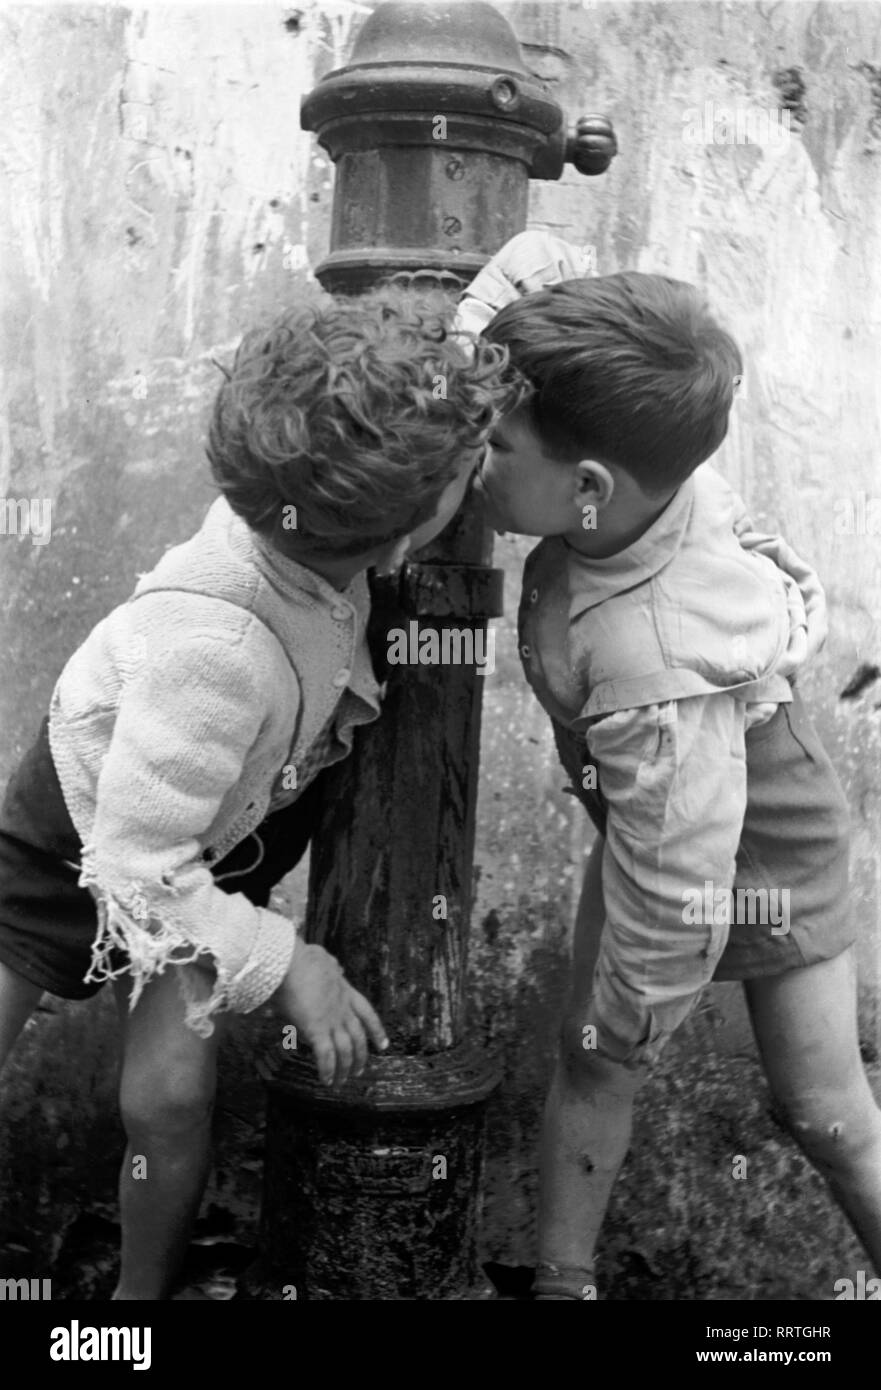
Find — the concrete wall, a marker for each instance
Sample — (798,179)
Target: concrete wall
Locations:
(162,197)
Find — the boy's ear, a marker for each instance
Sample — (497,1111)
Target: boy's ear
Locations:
(390,559)
(594,484)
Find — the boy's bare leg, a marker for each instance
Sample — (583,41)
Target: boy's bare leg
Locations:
(587,1122)
(18,999)
(166,1098)
(806,1027)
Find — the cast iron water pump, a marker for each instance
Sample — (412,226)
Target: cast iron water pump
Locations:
(371,1191)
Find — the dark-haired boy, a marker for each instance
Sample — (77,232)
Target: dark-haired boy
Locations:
(141,836)
(655,633)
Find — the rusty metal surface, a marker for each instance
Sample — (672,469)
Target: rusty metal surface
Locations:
(432,58)
(397,834)
(437,208)
(356,1210)
(468,592)
(590,145)
(450,1080)
(435,126)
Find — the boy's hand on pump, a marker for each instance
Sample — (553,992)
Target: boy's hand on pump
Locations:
(529,261)
(332,1016)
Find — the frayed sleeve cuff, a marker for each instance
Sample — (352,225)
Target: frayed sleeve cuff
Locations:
(141,936)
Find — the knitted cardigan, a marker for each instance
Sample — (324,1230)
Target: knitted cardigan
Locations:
(172,728)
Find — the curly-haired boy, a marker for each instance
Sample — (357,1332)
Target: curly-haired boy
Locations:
(168,790)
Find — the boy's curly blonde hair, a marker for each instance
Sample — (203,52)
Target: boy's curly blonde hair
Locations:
(357,412)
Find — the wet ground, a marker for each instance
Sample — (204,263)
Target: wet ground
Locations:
(681,1225)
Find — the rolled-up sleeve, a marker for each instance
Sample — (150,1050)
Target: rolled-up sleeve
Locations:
(673,776)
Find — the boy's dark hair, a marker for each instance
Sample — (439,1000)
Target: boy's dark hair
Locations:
(627,369)
(357,412)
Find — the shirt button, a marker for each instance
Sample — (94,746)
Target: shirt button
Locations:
(533,597)
(525,651)
(340,614)
(341,678)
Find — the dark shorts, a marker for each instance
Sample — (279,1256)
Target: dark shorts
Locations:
(48,923)
(795,835)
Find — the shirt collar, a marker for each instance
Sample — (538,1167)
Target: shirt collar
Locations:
(592,581)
